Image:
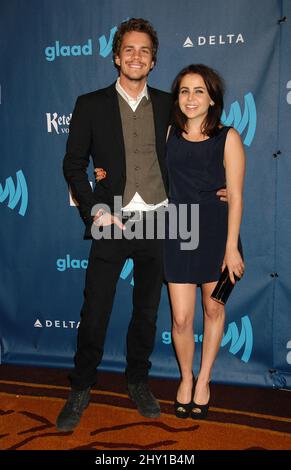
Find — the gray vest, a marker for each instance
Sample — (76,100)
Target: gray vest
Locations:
(143,174)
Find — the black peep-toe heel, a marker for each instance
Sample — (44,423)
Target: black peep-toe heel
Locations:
(199,411)
(183,410)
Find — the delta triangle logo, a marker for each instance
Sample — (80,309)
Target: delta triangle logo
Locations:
(188,43)
(37,324)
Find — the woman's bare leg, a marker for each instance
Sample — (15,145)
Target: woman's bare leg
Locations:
(183,297)
(214,318)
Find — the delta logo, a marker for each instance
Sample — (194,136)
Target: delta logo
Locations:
(65,324)
(215,40)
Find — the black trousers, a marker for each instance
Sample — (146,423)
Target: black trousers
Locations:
(105,263)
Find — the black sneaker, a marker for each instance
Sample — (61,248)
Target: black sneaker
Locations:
(71,413)
(146,403)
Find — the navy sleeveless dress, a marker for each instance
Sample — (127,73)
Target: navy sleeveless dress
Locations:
(196,172)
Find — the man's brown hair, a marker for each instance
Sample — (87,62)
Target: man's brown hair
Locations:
(141,26)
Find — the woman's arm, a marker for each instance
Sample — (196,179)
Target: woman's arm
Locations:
(234,161)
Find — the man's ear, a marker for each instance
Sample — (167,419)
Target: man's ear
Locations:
(117,60)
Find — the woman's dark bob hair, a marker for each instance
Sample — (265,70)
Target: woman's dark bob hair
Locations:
(215,87)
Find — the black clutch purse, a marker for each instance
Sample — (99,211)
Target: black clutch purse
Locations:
(224,287)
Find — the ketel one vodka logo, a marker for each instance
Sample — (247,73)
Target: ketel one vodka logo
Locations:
(58,123)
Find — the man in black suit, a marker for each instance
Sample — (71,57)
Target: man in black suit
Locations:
(123,127)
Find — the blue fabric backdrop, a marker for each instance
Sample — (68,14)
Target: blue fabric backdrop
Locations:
(53,51)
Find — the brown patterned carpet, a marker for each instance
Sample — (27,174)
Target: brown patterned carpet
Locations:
(239,418)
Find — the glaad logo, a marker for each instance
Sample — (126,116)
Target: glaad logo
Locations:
(58,124)
(68,263)
(77,50)
(215,40)
(105,47)
(247,120)
(63,264)
(244,339)
(56,324)
(57,50)
(15,195)
(239,341)
(127,271)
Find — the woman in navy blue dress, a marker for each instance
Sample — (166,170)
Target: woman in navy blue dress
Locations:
(203,156)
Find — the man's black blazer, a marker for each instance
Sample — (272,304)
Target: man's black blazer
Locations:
(96,130)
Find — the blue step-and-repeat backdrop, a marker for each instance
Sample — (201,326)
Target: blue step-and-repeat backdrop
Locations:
(51,52)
